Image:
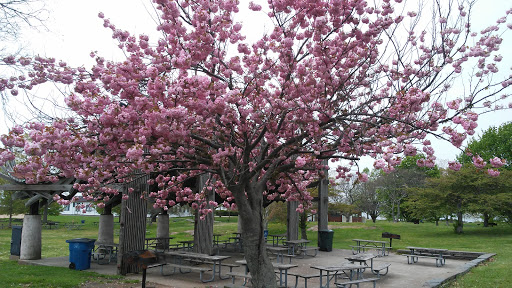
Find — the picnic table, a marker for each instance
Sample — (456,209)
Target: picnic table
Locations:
(73,226)
(363,258)
(422,252)
(104,253)
(159,243)
(301,247)
(363,245)
(187,244)
(180,257)
(237,241)
(283,271)
(276,238)
(51,224)
(345,270)
(280,253)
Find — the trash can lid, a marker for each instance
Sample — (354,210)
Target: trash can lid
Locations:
(80,240)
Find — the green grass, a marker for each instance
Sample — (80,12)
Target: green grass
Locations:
(475,238)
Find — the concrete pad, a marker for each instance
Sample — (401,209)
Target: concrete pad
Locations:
(421,274)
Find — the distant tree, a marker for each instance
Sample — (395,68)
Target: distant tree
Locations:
(365,195)
(9,206)
(394,187)
(469,191)
(494,142)
(427,203)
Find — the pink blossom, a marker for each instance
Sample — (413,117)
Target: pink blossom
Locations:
(379,164)
(497,162)
(300,162)
(493,173)
(455,166)
(363,177)
(479,162)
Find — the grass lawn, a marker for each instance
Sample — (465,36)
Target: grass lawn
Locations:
(475,238)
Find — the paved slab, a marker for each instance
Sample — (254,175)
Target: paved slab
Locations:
(421,274)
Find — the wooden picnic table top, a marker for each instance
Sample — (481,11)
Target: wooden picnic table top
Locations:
(369,241)
(361,257)
(432,250)
(344,266)
(196,255)
(299,241)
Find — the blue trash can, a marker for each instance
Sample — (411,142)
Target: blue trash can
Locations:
(80,250)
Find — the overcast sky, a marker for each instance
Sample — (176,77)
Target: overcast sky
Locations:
(74,30)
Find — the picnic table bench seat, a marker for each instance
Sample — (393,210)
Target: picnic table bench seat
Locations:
(181,267)
(239,274)
(412,258)
(231,266)
(357,249)
(306,277)
(356,282)
(378,267)
(305,250)
(245,276)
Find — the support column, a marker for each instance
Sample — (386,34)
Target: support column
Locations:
(292,231)
(106,229)
(162,227)
(323,200)
(31,238)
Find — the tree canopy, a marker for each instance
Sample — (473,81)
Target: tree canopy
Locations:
(329,80)
(494,142)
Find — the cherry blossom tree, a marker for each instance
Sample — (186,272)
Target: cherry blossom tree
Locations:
(331,80)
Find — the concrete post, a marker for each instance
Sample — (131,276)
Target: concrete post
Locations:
(31,238)
(106,229)
(292,232)
(162,225)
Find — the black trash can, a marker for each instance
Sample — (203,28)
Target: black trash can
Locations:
(325,240)
(80,250)
(16,240)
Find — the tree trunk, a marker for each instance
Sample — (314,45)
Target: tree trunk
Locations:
(250,213)
(393,211)
(458,229)
(486,220)
(374,217)
(398,212)
(203,228)
(303,225)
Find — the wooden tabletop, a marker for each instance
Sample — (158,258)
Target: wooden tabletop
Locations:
(361,257)
(369,241)
(346,266)
(196,255)
(300,241)
(426,249)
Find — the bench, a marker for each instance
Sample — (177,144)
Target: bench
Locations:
(357,282)
(231,266)
(305,250)
(235,274)
(201,270)
(356,249)
(306,277)
(411,259)
(245,276)
(377,268)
